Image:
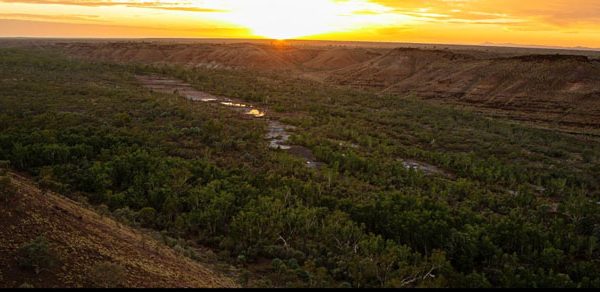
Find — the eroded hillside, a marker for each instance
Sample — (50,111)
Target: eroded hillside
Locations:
(551,90)
(557,90)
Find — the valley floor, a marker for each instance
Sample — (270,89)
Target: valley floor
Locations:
(407,193)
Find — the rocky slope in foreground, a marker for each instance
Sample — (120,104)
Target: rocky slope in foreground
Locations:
(81,248)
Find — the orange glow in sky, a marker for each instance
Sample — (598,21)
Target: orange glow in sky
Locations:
(533,22)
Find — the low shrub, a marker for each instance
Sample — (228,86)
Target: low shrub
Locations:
(36,255)
(7,189)
(107,275)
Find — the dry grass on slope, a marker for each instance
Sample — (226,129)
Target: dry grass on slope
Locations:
(85,245)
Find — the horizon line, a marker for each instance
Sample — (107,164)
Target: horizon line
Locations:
(483,45)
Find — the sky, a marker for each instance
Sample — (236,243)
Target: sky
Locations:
(565,23)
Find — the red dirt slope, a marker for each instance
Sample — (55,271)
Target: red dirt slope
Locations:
(80,238)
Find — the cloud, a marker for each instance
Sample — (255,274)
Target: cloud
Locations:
(556,13)
(166,5)
(465,21)
(35,28)
(561,13)
(61,17)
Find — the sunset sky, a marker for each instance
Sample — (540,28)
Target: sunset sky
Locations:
(567,23)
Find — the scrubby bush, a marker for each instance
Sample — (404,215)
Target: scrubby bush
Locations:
(49,185)
(121,120)
(103,210)
(4,167)
(180,250)
(26,286)
(107,275)
(7,189)
(36,255)
(146,216)
(124,215)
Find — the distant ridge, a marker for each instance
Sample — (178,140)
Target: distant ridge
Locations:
(511,45)
(556,87)
(381,44)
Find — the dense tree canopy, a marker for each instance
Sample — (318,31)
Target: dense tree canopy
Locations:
(514,206)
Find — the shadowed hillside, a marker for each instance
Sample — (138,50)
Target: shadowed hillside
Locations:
(84,249)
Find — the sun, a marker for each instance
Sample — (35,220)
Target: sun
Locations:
(278,19)
(284,19)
